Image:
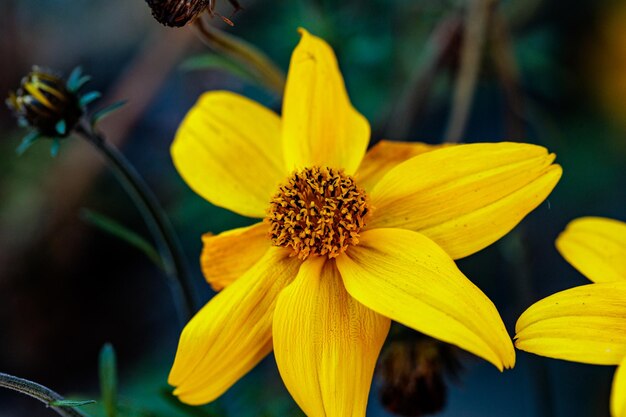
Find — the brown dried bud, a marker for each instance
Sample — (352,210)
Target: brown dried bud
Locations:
(45,103)
(177,13)
(413,374)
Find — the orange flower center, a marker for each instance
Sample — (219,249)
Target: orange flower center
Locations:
(317,211)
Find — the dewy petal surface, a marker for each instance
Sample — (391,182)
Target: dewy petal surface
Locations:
(227,256)
(320,126)
(228,150)
(385,155)
(465,197)
(232,332)
(618,391)
(326,343)
(408,278)
(596,247)
(583,324)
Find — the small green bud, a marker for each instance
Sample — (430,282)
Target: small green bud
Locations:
(45,103)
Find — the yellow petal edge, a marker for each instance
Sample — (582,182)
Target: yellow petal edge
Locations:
(596,247)
(405,276)
(326,343)
(583,324)
(320,126)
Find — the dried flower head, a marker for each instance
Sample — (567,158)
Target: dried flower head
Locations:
(413,374)
(177,13)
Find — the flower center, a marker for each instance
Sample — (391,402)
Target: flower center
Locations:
(317,211)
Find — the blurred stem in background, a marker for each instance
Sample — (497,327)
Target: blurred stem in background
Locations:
(439,50)
(506,68)
(477,17)
(247,54)
(168,245)
(515,252)
(41,393)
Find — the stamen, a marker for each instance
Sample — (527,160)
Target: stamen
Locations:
(318,211)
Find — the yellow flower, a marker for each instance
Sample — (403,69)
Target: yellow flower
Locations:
(587,323)
(347,242)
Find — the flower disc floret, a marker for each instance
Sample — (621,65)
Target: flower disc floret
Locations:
(318,211)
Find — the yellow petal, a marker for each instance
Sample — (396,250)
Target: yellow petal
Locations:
(385,155)
(326,343)
(232,333)
(596,247)
(465,197)
(227,256)
(583,324)
(618,392)
(320,126)
(228,150)
(408,278)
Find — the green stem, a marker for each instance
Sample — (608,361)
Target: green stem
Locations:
(39,392)
(153,214)
(249,55)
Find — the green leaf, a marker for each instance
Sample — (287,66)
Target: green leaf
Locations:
(217,62)
(82,81)
(89,98)
(54,148)
(74,78)
(70,403)
(27,142)
(116,229)
(61,127)
(108,380)
(106,111)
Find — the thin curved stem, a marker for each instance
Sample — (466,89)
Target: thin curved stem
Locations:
(153,214)
(254,59)
(39,392)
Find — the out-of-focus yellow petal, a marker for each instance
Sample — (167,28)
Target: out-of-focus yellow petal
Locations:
(385,155)
(326,343)
(583,324)
(233,332)
(408,278)
(227,256)
(618,392)
(320,126)
(228,150)
(465,197)
(596,247)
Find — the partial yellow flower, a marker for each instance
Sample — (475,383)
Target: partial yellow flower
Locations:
(588,323)
(347,241)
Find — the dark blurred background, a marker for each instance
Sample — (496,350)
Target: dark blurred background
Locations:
(551,73)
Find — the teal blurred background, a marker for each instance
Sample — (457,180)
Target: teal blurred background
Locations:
(552,73)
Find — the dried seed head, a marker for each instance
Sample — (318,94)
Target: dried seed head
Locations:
(177,13)
(318,211)
(45,103)
(413,376)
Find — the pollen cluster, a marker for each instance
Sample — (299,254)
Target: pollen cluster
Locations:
(318,211)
